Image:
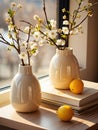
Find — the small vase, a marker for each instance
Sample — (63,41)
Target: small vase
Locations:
(63,68)
(25,90)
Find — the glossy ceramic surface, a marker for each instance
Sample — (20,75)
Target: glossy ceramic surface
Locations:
(63,68)
(25,90)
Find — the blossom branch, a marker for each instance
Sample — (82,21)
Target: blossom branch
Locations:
(41,32)
(26,22)
(80,23)
(75,15)
(17,37)
(89,7)
(44,9)
(3,40)
(7,43)
(28,46)
(78,11)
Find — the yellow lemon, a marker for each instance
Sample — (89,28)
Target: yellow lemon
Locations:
(76,86)
(65,113)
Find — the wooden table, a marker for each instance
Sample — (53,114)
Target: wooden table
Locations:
(46,118)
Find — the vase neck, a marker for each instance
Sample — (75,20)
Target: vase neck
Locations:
(65,51)
(25,69)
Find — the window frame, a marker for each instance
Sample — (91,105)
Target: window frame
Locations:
(60,5)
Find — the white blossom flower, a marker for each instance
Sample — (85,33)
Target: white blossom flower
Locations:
(52,34)
(23,55)
(34,46)
(63,10)
(9,35)
(90,14)
(90,4)
(36,17)
(75,31)
(65,30)
(24,43)
(71,32)
(19,6)
(60,42)
(53,23)
(26,29)
(78,16)
(10,27)
(31,43)
(36,36)
(34,49)
(64,17)
(13,4)
(23,46)
(15,35)
(8,20)
(65,22)
(80,28)
(42,42)
(46,33)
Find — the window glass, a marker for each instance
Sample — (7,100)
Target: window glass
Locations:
(9,60)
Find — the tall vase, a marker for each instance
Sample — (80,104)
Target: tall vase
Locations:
(63,68)
(25,90)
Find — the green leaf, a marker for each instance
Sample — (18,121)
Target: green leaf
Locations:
(11,13)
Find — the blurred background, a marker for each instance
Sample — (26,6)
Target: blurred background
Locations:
(9,60)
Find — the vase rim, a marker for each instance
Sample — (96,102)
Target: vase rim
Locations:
(66,48)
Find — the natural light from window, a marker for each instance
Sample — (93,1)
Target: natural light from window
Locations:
(9,60)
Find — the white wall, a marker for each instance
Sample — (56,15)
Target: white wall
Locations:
(85,46)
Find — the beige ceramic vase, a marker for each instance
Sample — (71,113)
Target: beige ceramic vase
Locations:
(25,90)
(63,68)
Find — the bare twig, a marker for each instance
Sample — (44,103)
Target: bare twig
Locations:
(80,22)
(3,40)
(44,9)
(27,44)
(75,15)
(26,22)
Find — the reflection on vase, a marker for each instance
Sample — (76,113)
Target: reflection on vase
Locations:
(25,90)
(63,68)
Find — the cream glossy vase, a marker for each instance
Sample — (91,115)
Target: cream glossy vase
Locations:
(25,90)
(63,68)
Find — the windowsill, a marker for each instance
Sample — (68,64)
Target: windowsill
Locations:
(5,90)
(4,97)
(45,117)
(4,94)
